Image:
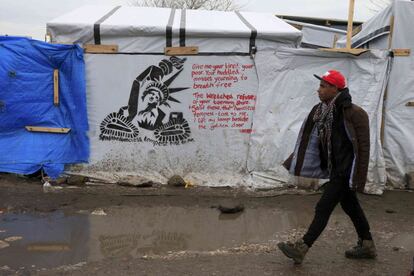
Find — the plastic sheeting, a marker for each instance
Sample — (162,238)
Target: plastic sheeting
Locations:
(26,99)
(372,32)
(201,128)
(143,29)
(289,92)
(398,131)
(315,36)
(156,116)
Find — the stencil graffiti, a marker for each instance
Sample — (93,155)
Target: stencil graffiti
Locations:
(149,102)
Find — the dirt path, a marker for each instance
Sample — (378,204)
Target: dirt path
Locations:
(113,230)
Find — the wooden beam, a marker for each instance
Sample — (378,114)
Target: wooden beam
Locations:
(56,87)
(384,98)
(334,41)
(354,51)
(401,52)
(391,32)
(350,23)
(356,30)
(100,49)
(48,129)
(297,26)
(181,51)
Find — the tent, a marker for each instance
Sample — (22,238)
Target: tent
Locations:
(43,121)
(210,110)
(390,29)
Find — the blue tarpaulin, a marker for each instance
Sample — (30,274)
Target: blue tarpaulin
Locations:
(26,99)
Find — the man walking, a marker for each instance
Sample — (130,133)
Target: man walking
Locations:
(333,142)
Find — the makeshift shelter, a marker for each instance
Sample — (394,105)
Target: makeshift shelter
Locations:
(316,36)
(160,115)
(390,29)
(43,122)
(149,30)
(287,95)
(208,109)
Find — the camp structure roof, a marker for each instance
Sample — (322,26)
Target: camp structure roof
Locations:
(317,36)
(326,22)
(147,29)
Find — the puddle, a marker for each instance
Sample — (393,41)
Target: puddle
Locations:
(55,239)
(45,241)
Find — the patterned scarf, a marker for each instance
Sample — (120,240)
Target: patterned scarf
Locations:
(323,119)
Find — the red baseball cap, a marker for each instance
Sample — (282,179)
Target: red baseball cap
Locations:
(333,77)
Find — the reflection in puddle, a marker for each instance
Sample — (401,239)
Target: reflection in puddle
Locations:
(46,240)
(54,239)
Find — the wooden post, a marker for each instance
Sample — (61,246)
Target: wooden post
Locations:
(391,32)
(56,87)
(348,49)
(350,23)
(335,40)
(384,99)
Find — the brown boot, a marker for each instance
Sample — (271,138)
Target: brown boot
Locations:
(365,249)
(295,251)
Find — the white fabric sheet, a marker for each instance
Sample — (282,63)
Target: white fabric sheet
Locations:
(219,114)
(287,92)
(143,29)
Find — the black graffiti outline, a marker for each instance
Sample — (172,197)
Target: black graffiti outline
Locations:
(151,87)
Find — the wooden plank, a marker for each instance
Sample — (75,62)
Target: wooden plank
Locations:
(401,52)
(181,51)
(345,50)
(391,32)
(350,23)
(409,104)
(297,26)
(48,129)
(334,41)
(56,87)
(384,98)
(100,49)
(356,30)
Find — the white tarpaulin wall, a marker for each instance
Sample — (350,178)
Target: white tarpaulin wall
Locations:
(398,130)
(287,94)
(156,116)
(205,132)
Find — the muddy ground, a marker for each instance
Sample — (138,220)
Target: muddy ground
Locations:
(114,230)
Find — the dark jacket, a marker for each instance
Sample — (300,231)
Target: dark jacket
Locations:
(350,146)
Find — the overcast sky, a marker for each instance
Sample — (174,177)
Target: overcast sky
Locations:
(29,17)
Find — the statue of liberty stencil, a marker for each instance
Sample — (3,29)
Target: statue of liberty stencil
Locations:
(147,106)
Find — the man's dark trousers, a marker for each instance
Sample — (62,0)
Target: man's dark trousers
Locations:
(337,191)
